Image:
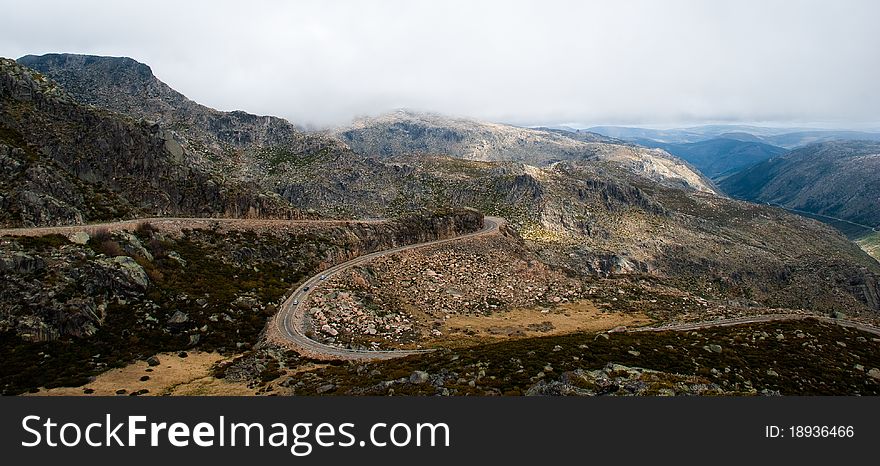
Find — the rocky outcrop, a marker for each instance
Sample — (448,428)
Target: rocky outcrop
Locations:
(619,380)
(53,287)
(106,164)
(407,133)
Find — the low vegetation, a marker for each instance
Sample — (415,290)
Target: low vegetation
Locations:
(788,358)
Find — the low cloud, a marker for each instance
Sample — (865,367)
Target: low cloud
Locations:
(542,62)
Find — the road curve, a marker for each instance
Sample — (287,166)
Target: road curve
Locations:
(290,319)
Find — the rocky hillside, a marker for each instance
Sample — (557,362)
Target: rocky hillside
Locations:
(601,209)
(800,358)
(129,87)
(407,133)
(627,229)
(65,162)
(836,179)
(73,306)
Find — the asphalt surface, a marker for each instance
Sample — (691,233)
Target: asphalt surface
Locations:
(290,319)
(171,223)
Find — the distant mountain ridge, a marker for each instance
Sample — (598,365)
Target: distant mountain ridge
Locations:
(721,156)
(837,179)
(788,138)
(408,133)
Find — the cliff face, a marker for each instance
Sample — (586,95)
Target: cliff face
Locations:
(101,160)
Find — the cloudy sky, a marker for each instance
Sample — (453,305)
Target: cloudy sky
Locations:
(634,62)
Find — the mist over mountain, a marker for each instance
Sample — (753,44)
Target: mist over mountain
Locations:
(788,138)
(592,222)
(409,133)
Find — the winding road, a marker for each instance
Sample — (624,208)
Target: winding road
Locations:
(290,319)
(289,322)
(175,224)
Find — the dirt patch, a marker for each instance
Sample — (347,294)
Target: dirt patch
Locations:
(578,316)
(173,376)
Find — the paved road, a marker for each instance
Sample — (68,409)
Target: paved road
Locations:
(173,224)
(755,319)
(290,319)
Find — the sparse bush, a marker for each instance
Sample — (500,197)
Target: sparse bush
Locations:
(111,248)
(156,249)
(146,229)
(155,275)
(101,235)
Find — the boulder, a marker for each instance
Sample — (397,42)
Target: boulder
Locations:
(178,317)
(418,377)
(713,348)
(79,237)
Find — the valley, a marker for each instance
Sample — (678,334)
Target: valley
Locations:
(416,253)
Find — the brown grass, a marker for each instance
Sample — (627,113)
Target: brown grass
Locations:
(579,316)
(174,376)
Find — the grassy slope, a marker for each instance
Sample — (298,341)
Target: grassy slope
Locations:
(871,244)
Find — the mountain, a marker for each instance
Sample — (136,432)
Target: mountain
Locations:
(228,142)
(720,156)
(740,136)
(803,138)
(407,133)
(834,179)
(787,138)
(600,223)
(672,136)
(597,208)
(67,162)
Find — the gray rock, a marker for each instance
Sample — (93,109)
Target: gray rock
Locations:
(874,373)
(173,255)
(153,361)
(418,377)
(132,245)
(325,388)
(130,269)
(178,318)
(79,237)
(713,348)
(20,262)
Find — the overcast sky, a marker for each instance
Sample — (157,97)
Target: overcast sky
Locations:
(542,62)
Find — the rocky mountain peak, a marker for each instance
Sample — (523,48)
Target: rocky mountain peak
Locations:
(120,84)
(24,84)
